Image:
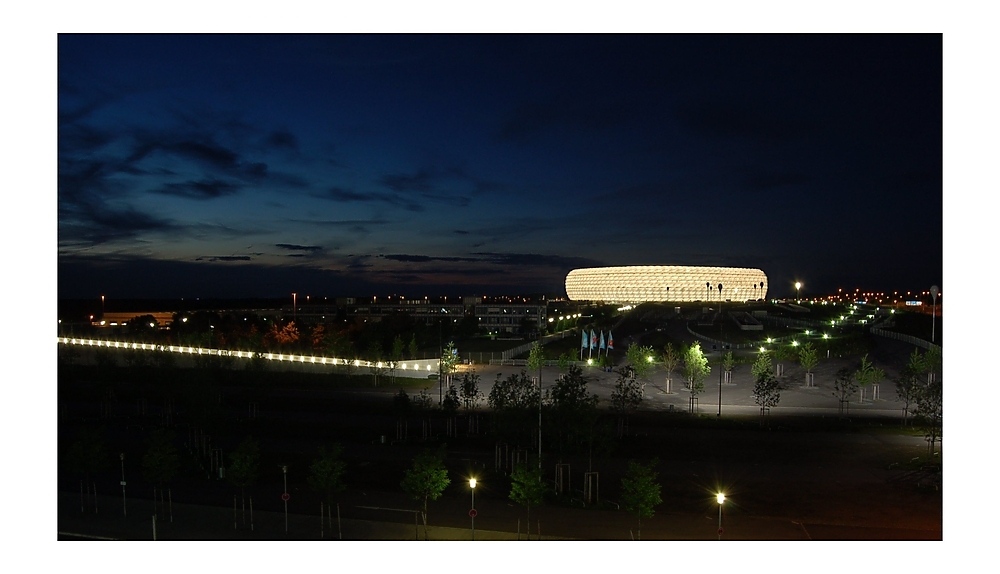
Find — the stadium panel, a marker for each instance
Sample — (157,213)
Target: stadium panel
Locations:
(680,283)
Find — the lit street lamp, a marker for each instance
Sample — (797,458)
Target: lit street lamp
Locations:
(472,511)
(798,286)
(720,498)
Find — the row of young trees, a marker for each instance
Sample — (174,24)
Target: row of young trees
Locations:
(427,479)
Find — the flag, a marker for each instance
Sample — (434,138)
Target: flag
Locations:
(602,341)
(611,341)
(593,339)
(583,343)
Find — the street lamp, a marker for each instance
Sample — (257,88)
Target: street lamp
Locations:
(934,294)
(798,285)
(293,307)
(284,494)
(124,509)
(472,511)
(720,498)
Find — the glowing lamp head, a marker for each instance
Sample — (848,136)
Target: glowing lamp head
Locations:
(720,498)
(472,483)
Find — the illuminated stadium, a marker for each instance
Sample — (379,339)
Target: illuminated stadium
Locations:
(680,283)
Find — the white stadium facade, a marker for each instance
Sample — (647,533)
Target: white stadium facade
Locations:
(680,283)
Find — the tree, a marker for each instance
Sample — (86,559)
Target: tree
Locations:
(626,398)
(536,358)
(808,357)
(844,387)
(640,358)
(766,392)
(244,467)
(573,412)
(395,356)
(317,338)
(527,489)
(284,336)
(449,358)
(412,348)
(641,491)
(929,411)
(470,393)
(426,479)
(375,360)
(695,370)
(728,361)
(88,455)
(932,363)
(868,374)
(565,360)
(401,406)
(671,359)
(909,382)
(450,404)
(161,461)
(326,473)
(514,402)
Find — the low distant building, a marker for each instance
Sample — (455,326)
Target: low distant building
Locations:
(491,314)
(676,283)
(163,318)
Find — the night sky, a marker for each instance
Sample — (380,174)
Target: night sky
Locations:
(234,165)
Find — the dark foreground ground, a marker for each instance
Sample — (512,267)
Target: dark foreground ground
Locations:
(812,477)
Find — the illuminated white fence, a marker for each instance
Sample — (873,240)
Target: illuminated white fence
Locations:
(418,368)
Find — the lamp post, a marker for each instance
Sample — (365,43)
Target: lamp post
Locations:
(293,307)
(124,509)
(720,498)
(719,414)
(440,366)
(798,285)
(472,511)
(284,493)
(934,294)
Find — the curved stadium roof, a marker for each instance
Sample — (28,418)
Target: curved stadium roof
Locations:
(639,284)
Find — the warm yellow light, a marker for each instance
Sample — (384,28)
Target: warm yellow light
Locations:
(472,483)
(720,498)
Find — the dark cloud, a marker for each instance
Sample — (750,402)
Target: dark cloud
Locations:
(348,196)
(96,224)
(426,258)
(225,258)
(421,181)
(293,247)
(200,149)
(282,139)
(519,259)
(204,189)
(503,259)
(431,184)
